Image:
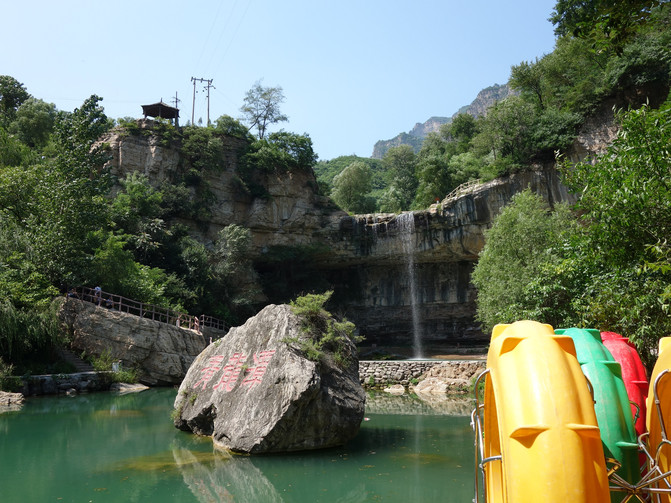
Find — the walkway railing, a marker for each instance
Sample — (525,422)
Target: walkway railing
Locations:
(148,311)
(464,188)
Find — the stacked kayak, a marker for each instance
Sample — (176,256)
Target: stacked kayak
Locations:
(611,404)
(540,439)
(557,420)
(658,422)
(633,375)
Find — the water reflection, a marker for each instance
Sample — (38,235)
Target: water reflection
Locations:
(107,448)
(394,458)
(448,405)
(224,478)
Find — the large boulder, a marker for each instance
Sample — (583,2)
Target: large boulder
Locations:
(254,391)
(161,353)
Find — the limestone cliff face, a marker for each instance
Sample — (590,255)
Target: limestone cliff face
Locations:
(437,249)
(366,259)
(289,215)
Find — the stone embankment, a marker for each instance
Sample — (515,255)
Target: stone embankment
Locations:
(373,374)
(53,384)
(457,374)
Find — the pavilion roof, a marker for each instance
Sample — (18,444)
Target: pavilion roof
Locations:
(160,109)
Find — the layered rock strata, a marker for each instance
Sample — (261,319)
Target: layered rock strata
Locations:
(364,258)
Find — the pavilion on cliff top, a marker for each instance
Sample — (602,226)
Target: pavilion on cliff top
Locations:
(161,110)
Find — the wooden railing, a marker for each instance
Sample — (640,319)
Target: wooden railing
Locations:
(148,311)
(464,188)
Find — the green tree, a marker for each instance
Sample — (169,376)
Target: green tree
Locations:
(399,163)
(12,95)
(351,188)
(433,175)
(611,272)
(135,213)
(506,131)
(626,195)
(461,130)
(69,195)
(607,23)
(13,152)
(262,108)
(229,126)
(527,78)
(115,269)
(327,170)
(34,122)
(204,149)
(571,78)
(524,238)
(278,153)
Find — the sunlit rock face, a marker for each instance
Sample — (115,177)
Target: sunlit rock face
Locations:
(255,392)
(443,243)
(161,353)
(289,212)
(298,233)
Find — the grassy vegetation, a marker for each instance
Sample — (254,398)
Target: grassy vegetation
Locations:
(323,336)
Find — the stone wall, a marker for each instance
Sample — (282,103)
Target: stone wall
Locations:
(53,384)
(376,374)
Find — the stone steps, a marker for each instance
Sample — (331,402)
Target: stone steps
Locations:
(79,364)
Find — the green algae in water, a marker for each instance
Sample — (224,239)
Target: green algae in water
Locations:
(109,448)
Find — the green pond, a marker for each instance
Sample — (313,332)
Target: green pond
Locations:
(105,447)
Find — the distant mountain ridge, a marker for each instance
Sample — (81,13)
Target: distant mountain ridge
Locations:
(415,137)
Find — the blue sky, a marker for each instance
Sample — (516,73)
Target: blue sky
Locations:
(352,72)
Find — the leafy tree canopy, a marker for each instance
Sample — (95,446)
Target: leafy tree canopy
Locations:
(262,108)
(611,272)
(351,188)
(12,95)
(611,22)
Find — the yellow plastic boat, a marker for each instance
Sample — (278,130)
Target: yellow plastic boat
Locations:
(540,440)
(658,422)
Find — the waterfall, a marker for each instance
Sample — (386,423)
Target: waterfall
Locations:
(406,229)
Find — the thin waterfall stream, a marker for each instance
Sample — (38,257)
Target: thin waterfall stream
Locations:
(406,227)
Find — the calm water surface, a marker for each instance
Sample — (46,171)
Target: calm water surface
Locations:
(105,447)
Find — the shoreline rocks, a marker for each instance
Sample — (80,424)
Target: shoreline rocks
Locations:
(10,401)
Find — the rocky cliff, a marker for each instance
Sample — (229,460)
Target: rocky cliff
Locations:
(391,274)
(423,260)
(162,353)
(415,137)
(288,215)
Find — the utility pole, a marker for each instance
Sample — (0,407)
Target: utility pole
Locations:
(207,86)
(176,101)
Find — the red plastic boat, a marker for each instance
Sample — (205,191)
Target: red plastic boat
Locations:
(633,374)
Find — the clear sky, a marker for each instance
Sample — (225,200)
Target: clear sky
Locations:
(352,71)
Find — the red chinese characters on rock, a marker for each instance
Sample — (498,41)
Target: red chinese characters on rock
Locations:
(213,366)
(255,373)
(231,371)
